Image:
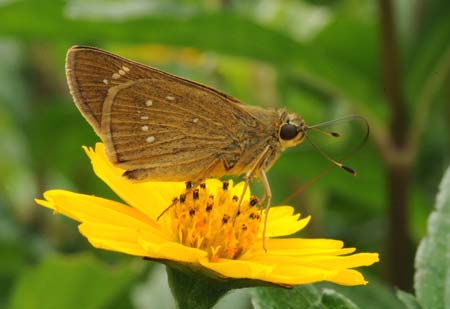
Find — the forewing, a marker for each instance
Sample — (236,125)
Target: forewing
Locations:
(149,118)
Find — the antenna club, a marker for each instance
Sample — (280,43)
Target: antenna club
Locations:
(349,169)
(335,134)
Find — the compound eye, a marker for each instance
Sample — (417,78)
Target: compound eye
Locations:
(288,131)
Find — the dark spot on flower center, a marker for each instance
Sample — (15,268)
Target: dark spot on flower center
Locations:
(225,185)
(225,219)
(192,212)
(203,185)
(188,185)
(195,194)
(253,200)
(209,206)
(235,198)
(182,198)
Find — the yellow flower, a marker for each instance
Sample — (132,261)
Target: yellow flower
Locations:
(199,230)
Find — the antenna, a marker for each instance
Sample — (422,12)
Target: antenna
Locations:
(338,164)
(327,123)
(334,163)
(335,134)
(328,133)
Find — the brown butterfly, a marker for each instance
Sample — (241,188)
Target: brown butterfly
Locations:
(160,127)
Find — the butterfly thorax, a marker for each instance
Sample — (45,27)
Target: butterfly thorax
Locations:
(252,141)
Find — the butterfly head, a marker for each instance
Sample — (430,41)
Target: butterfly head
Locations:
(292,130)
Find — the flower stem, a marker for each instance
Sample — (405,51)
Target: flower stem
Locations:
(194,289)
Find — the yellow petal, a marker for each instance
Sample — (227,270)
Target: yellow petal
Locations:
(347,277)
(238,268)
(151,198)
(302,274)
(303,243)
(341,262)
(237,190)
(112,238)
(117,246)
(87,208)
(294,253)
(296,274)
(282,221)
(171,251)
(306,269)
(120,233)
(44,203)
(276,273)
(282,273)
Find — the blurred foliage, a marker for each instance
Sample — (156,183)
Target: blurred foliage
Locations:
(432,278)
(66,279)
(302,296)
(319,58)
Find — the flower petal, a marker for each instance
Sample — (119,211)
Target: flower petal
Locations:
(284,273)
(347,277)
(282,221)
(340,262)
(238,188)
(276,273)
(298,274)
(151,198)
(321,259)
(303,243)
(112,238)
(171,251)
(238,268)
(87,208)
(119,233)
(279,255)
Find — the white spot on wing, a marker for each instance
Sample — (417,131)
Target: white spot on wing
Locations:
(170,98)
(144,117)
(195,120)
(148,103)
(144,128)
(125,69)
(150,139)
(105,81)
(121,72)
(116,76)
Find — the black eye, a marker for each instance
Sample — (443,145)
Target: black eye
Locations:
(288,131)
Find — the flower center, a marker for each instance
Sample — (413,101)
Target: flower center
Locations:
(203,218)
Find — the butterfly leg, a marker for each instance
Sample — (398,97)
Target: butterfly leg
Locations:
(249,175)
(268,196)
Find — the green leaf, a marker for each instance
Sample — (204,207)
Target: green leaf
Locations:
(71,282)
(432,278)
(374,295)
(332,299)
(408,300)
(302,296)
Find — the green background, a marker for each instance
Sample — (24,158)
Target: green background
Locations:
(387,61)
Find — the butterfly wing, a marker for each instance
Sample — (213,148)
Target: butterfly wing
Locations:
(152,120)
